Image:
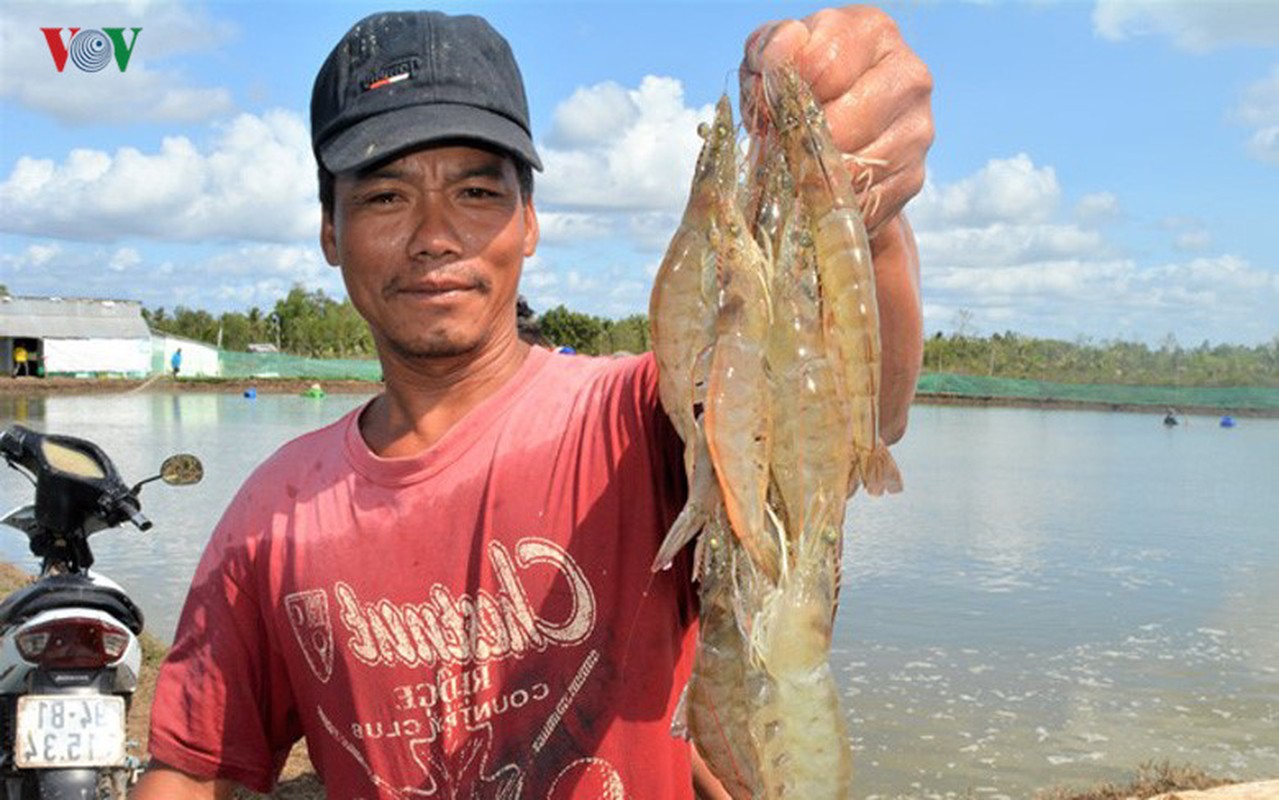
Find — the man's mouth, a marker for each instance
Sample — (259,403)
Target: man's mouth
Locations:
(432,286)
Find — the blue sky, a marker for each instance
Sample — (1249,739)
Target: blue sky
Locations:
(1100,169)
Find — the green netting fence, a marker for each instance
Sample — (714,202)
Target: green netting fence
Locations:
(283,365)
(973,387)
(1256,398)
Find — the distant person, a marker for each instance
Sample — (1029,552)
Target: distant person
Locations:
(448,591)
(20,365)
(176,362)
(1170,417)
(527,325)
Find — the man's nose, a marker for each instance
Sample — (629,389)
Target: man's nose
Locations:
(435,233)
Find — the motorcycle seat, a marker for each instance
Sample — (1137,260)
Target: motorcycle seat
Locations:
(69,591)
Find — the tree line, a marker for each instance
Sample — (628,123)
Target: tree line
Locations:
(1012,355)
(305,323)
(309,323)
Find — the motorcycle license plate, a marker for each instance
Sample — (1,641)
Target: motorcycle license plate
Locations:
(66,730)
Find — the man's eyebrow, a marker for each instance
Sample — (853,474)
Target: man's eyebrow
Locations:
(492,169)
(393,171)
(381,171)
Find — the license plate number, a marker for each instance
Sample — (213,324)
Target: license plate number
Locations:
(69,731)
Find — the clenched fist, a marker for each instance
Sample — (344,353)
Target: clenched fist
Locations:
(874,89)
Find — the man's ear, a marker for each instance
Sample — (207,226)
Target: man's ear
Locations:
(328,238)
(532,234)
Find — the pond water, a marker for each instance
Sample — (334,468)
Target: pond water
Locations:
(1056,597)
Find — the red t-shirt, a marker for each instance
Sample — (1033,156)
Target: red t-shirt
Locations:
(477,621)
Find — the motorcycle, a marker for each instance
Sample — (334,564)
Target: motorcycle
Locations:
(69,651)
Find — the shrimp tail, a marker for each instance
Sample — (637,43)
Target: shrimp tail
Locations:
(691,520)
(703,497)
(878,471)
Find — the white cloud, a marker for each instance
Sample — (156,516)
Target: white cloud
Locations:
(560,227)
(216,279)
(1259,109)
(1188,233)
(1259,104)
(1264,145)
(1098,208)
(38,254)
(652,231)
(256,182)
(123,259)
(261,274)
(1192,240)
(1029,272)
(593,115)
(1198,27)
(1010,190)
(612,148)
(1221,298)
(147,90)
(1003,244)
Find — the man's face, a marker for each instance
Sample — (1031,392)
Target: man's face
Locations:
(430,245)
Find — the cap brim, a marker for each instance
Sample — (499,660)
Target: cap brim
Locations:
(378,137)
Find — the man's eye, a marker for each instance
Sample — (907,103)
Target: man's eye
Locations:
(478,193)
(375,198)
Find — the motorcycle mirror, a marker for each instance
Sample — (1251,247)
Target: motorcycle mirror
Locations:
(182,469)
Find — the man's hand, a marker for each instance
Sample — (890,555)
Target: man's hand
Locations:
(875,92)
(874,89)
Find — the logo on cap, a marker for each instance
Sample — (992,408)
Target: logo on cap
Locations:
(392,73)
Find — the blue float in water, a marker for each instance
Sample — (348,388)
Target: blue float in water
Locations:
(251,393)
(1227,422)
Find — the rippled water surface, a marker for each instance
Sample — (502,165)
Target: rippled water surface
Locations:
(1055,598)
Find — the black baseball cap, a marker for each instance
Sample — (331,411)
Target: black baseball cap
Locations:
(401,79)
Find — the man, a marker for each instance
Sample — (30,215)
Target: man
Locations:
(448,591)
(19,361)
(175,363)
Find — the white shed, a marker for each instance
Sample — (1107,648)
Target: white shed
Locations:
(74,336)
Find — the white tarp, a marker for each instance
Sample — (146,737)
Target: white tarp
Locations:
(116,356)
(199,360)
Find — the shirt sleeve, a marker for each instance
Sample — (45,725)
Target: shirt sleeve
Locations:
(223,705)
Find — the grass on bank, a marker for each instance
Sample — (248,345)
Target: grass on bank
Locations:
(1152,778)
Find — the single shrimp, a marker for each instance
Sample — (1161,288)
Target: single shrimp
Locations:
(812,456)
(797,727)
(738,415)
(851,310)
(680,315)
(716,706)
